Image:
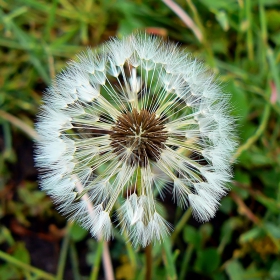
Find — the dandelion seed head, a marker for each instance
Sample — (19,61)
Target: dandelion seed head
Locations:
(142,133)
(136,118)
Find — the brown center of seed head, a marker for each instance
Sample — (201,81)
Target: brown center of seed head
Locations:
(139,136)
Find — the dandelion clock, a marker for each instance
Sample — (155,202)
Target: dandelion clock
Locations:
(127,125)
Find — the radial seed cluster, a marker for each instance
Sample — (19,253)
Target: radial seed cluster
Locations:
(143,133)
(127,124)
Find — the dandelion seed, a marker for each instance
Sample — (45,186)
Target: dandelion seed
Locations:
(136,119)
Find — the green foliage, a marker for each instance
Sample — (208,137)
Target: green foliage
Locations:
(240,43)
(77,233)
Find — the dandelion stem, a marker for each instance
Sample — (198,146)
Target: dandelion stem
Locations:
(107,264)
(108,268)
(132,255)
(149,261)
(148,249)
(138,181)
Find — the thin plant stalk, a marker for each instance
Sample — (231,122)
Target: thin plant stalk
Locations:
(186,261)
(107,264)
(169,260)
(148,249)
(63,252)
(149,261)
(181,224)
(204,39)
(250,141)
(40,273)
(19,124)
(97,260)
(185,18)
(74,261)
(249,37)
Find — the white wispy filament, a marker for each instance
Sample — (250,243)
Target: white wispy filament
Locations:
(135,120)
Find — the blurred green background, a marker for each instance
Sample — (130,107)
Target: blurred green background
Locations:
(240,41)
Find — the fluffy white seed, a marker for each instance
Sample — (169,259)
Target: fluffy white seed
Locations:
(172,129)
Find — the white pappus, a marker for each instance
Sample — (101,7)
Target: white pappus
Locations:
(131,122)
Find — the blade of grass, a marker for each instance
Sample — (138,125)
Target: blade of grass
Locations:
(97,261)
(185,18)
(250,141)
(180,225)
(20,124)
(263,22)
(44,7)
(168,260)
(84,33)
(262,46)
(63,252)
(74,261)
(58,48)
(7,137)
(40,273)
(25,40)
(51,21)
(204,39)
(274,72)
(16,12)
(186,261)
(131,253)
(249,36)
(239,35)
